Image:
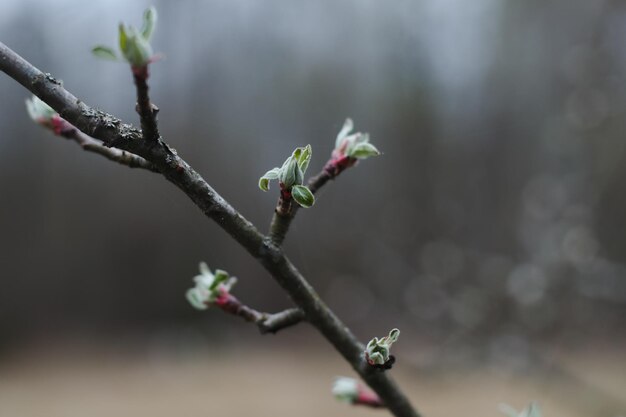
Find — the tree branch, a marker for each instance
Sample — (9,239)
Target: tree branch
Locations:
(113,132)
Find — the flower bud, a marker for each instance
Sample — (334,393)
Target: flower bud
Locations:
(291,176)
(209,287)
(377,350)
(346,389)
(354,145)
(351,391)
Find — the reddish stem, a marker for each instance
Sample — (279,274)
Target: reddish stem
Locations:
(59,126)
(338,163)
(383,367)
(140,72)
(283,208)
(368,398)
(230,304)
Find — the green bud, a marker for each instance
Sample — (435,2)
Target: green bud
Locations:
(302,195)
(355,145)
(134,44)
(135,48)
(377,350)
(219,277)
(291,173)
(209,287)
(346,389)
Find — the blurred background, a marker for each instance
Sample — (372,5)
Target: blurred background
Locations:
(491,232)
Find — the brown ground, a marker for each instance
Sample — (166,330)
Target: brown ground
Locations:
(99,383)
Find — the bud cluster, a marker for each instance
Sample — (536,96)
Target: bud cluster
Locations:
(134,44)
(290,177)
(377,350)
(210,287)
(349,149)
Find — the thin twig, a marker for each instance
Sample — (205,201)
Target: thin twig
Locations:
(146,109)
(267,323)
(278,321)
(231,304)
(113,132)
(368,399)
(90,144)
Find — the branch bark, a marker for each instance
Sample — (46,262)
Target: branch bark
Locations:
(90,144)
(113,132)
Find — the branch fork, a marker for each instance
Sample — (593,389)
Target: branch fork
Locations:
(110,130)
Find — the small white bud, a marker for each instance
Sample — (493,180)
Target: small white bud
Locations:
(346,389)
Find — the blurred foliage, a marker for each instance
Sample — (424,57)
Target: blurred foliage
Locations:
(494,217)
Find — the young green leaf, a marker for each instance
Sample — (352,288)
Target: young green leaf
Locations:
(123,39)
(264,181)
(220,277)
(363,151)
(196,298)
(209,287)
(204,269)
(372,343)
(149,23)
(302,195)
(104,52)
(290,173)
(305,158)
(393,336)
(348,125)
